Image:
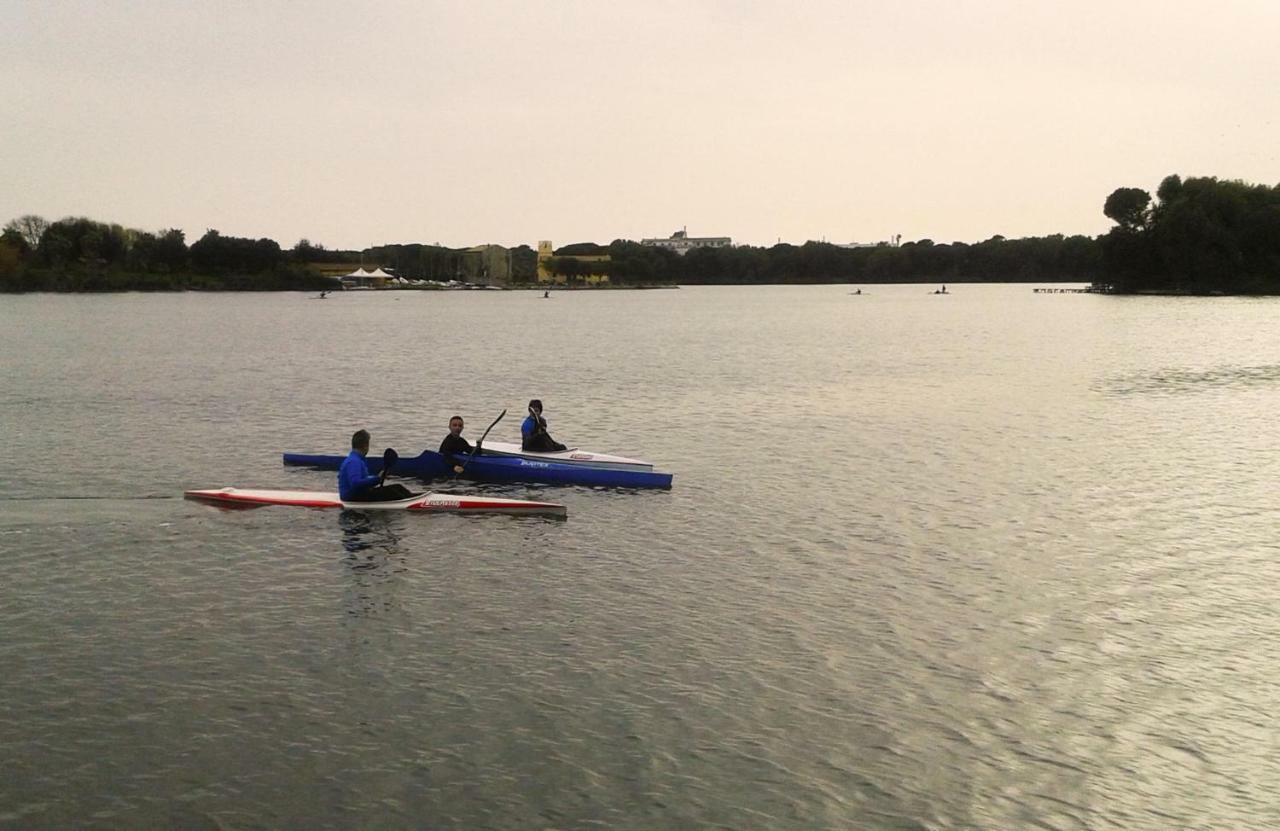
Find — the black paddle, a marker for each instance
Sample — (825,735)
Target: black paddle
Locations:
(389,459)
(473,453)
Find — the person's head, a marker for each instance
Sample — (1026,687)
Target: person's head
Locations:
(360,441)
(536,406)
(455,425)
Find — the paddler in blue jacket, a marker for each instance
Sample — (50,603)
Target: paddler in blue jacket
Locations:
(357,484)
(533,432)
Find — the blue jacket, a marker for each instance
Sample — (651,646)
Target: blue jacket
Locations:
(529,426)
(354,476)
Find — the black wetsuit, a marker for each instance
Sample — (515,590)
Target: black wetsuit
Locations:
(454,445)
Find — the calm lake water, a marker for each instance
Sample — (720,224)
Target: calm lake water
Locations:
(993,559)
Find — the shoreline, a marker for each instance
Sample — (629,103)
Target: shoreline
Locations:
(1039,287)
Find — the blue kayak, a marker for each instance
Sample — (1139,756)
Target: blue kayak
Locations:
(485,468)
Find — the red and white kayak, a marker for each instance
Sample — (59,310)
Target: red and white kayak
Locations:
(572,456)
(422,502)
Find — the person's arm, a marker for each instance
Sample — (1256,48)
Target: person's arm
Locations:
(367,479)
(353,478)
(552,444)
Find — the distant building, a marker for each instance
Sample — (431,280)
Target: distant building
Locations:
(588,270)
(489,264)
(681,243)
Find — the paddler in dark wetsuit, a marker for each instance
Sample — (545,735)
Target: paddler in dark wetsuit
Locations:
(455,445)
(356,484)
(533,432)
(454,442)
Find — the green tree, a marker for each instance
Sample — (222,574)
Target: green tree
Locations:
(171,251)
(10,260)
(15,240)
(1205,235)
(30,227)
(213,253)
(1170,188)
(577,249)
(1128,207)
(306,252)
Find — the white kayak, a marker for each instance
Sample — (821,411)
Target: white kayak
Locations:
(422,502)
(572,456)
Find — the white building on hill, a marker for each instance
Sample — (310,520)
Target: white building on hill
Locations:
(681,243)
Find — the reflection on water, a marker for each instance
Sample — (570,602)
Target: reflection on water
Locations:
(362,530)
(1175,381)
(373,559)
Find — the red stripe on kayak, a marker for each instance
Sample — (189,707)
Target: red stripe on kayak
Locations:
(243,500)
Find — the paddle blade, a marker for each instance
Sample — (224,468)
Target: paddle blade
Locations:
(389,459)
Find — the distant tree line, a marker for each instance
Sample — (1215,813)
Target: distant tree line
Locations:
(1044,259)
(1202,236)
(78,254)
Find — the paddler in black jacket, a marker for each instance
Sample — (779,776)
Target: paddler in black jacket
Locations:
(455,445)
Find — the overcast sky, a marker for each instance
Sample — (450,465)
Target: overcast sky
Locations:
(354,124)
